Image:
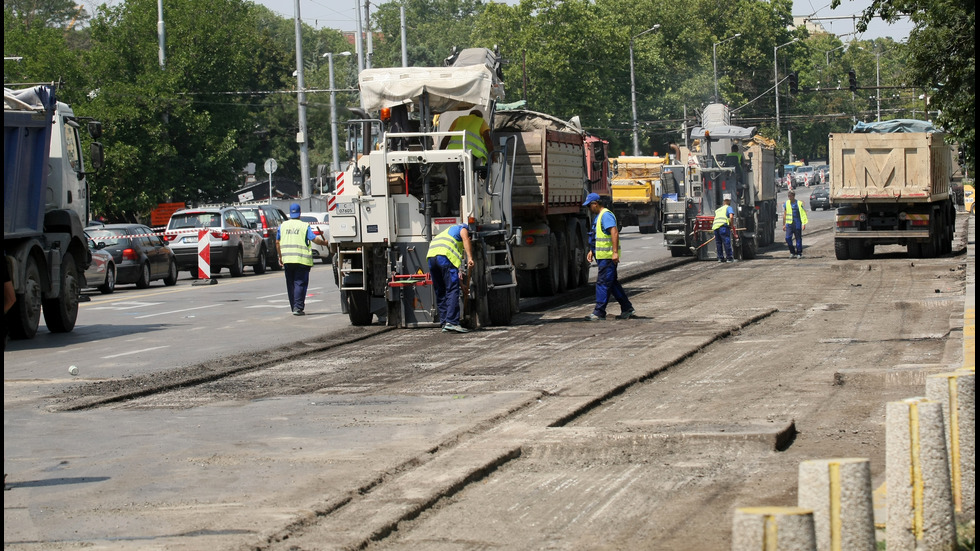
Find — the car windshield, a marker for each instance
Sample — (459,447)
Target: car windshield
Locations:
(195,220)
(805,169)
(250,215)
(111,237)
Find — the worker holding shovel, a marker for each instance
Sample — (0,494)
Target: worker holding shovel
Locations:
(722,226)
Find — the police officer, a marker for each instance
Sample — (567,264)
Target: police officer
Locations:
(445,257)
(794,222)
(722,226)
(293,246)
(604,249)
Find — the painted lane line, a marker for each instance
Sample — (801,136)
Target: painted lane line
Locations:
(131,352)
(176,311)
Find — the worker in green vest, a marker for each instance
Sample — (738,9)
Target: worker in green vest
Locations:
(604,248)
(722,226)
(293,246)
(794,222)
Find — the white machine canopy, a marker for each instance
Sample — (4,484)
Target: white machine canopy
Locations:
(449,88)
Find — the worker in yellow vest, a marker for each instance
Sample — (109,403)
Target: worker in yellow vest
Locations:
(722,226)
(293,246)
(604,248)
(446,255)
(794,222)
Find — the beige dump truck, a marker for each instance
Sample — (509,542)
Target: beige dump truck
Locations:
(890,183)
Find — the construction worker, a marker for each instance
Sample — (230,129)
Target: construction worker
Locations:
(604,248)
(293,247)
(722,226)
(477,138)
(794,222)
(445,257)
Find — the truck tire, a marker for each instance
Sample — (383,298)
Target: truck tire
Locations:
(914,249)
(841,249)
(576,256)
(563,254)
(359,308)
(26,313)
(61,312)
(548,278)
(855,249)
(499,306)
(750,244)
(581,234)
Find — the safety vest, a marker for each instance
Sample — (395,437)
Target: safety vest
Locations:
(789,212)
(721,217)
(603,240)
(448,246)
(293,245)
(473,127)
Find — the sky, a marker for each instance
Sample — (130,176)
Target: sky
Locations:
(339,14)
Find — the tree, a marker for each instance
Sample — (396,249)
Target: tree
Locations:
(46,13)
(942,58)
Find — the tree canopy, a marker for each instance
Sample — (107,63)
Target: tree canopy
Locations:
(226,96)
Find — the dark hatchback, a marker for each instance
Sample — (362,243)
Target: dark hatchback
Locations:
(141,256)
(266,220)
(820,198)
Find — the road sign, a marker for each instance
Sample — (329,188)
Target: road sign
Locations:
(270,166)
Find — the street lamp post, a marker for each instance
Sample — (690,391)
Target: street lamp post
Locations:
(714,58)
(636,130)
(301,137)
(333,111)
(775,81)
(834,50)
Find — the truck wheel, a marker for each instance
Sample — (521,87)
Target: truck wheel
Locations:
(548,276)
(359,308)
(576,256)
(237,267)
(562,249)
(841,249)
(27,310)
(678,251)
(915,249)
(585,265)
(61,312)
(855,249)
(499,306)
(527,281)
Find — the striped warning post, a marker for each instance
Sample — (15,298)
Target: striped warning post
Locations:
(839,493)
(204,259)
(773,529)
(956,392)
(332,201)
(920,501)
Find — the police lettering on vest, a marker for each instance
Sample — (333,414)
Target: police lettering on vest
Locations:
(293,243)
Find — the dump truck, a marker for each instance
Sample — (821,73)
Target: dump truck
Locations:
(405,184)
(556,165)
(636,191)
(45,201)
(891,185)
(709,173)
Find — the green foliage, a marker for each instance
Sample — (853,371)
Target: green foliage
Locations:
(46,13)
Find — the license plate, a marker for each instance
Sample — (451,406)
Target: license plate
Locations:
(345,208)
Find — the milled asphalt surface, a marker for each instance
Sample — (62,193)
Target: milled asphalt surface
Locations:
(166,453)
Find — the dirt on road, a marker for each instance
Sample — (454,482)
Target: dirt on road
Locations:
(555,433)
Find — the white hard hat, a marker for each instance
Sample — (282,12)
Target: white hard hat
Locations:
(726,197)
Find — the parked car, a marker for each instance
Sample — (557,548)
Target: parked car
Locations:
(803,176)
(266,219)
(101,272)
(234,241)
(320,222)
(141,256)
(820,198)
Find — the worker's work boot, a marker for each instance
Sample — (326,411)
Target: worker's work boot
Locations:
(593,317)
(631,313)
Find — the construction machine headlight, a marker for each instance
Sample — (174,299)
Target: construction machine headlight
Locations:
(903,216)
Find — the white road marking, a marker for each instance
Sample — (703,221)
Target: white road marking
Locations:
(131,352)
(129,305)
(176,311)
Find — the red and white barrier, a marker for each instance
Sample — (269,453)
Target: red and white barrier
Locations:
(204,254)
(332,201)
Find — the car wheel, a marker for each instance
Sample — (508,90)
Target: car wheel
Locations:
(171,278)
(144,280)
(110,280)
(238,267)
(259,267)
